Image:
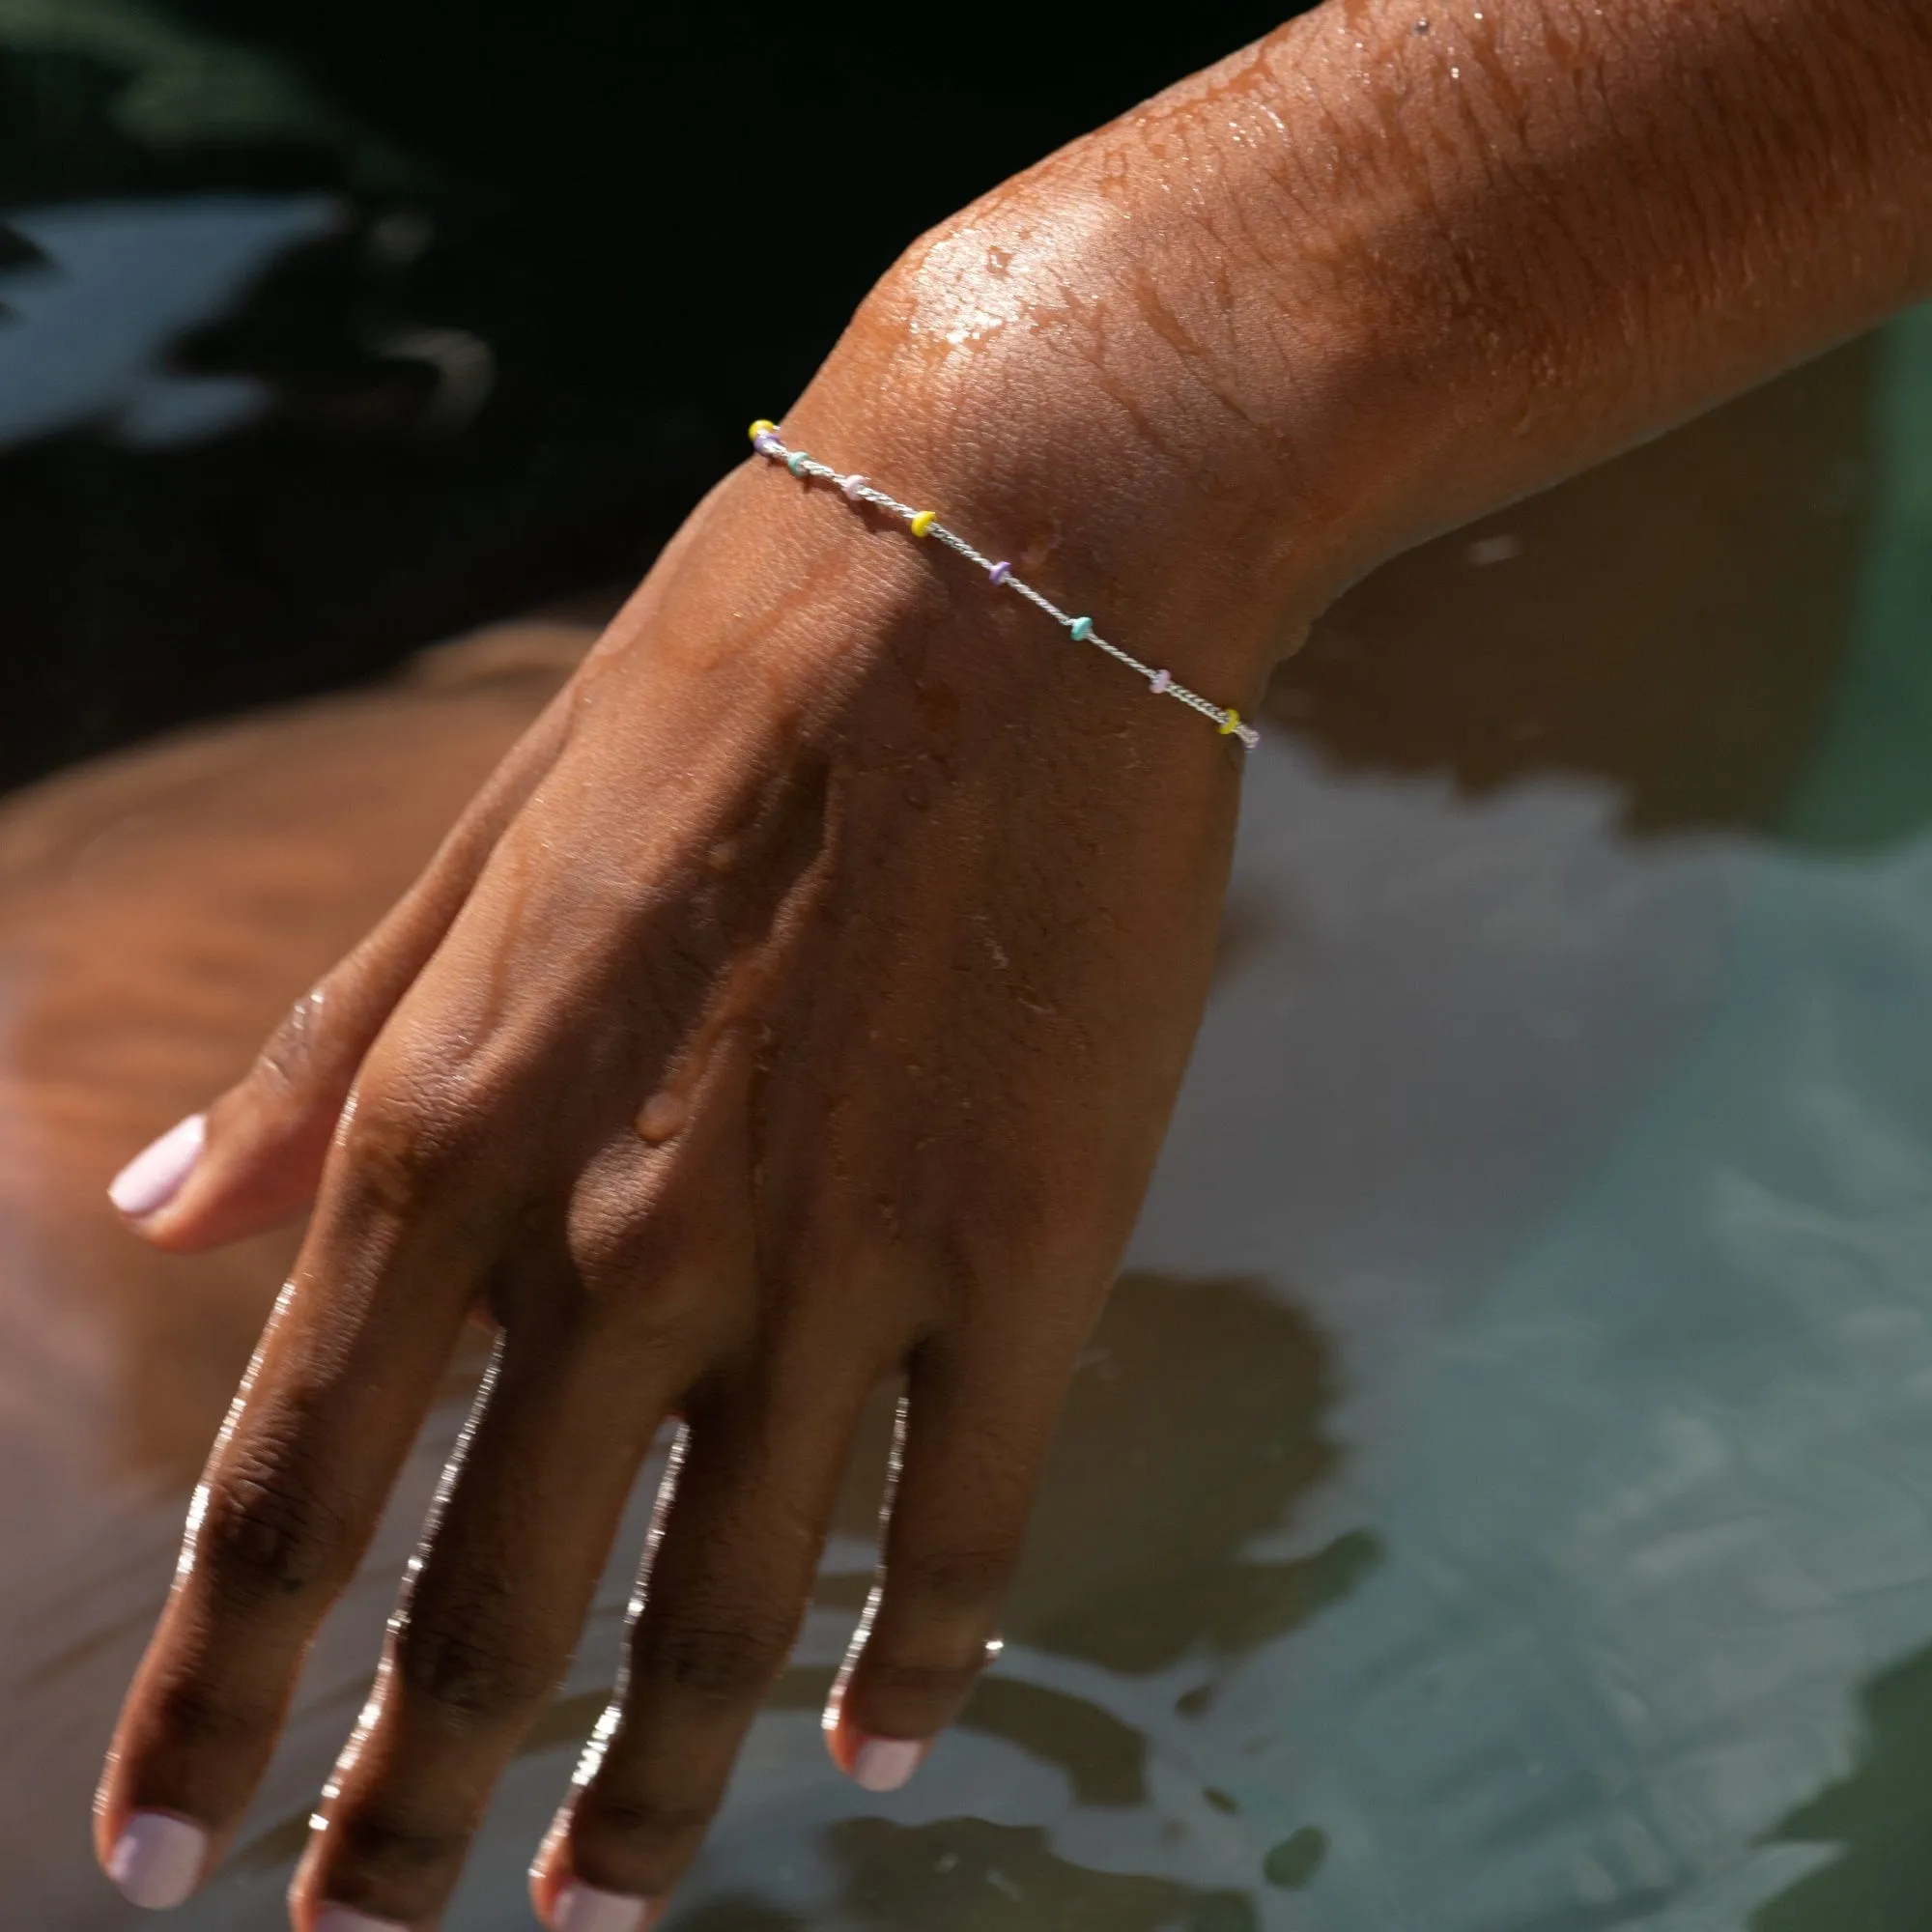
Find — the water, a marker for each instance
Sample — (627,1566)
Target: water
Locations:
(1496,1501)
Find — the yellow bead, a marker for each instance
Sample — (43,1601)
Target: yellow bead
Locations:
(1231,724)
(923,522)
(761,428)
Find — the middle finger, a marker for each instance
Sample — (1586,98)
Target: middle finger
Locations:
(345,1373)
(492,1615)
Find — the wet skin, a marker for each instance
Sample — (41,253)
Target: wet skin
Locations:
(159,909)
(799,1006)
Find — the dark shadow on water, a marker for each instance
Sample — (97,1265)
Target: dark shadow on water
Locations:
(1673,621)
(1878,1817)
(1193,1424)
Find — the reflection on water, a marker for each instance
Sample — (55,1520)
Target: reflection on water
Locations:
(1497,1497)
(95,312)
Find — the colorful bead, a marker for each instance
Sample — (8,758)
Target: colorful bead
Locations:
(767,441)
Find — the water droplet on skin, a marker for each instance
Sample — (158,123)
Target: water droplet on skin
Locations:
(661,1117)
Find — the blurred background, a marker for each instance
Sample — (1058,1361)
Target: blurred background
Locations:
(1497,1497)
(330,330)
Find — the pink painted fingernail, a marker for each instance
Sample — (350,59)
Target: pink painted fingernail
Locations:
(153,1177)
(157,1859)
(884,1764)
(582,1908)
(346,1918)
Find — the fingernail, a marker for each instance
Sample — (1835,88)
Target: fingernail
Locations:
(346,1918)
(157,1859)
(884,1764)
(153,1177)
(582,1908)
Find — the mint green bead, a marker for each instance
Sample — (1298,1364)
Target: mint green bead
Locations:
(1082,628)
(796,461)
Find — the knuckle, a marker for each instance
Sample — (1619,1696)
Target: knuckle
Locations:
(1034,1235)
(725,1663)
(393,1163)
(267,1536)
(195,1714)
(379,1835)
(1036,1201)
(290,1054)
(411,1132)
(967,1577)
(476,1668)
(615,1248)
(924,1682)
(646,1817)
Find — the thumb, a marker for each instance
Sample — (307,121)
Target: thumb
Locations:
(253,1157)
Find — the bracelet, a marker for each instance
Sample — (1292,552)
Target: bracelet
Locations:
(857,488)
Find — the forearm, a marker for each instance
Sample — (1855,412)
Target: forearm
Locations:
(1579,223)
(1371,276)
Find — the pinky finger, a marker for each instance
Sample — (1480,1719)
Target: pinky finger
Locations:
(972,1444)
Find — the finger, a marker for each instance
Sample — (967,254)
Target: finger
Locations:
(488,1626)
(253,1158)
(974,1436)
(727,1592)
(346,1369)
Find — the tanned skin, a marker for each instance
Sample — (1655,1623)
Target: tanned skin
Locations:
(801,1005)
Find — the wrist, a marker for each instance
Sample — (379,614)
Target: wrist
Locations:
(1003,373)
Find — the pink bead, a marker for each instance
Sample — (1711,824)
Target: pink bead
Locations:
(1162,679)
(999,572)
(852,485)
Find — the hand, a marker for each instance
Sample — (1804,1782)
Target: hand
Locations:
(801,1005)
(798,1008)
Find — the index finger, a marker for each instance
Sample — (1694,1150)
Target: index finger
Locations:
(345,1373)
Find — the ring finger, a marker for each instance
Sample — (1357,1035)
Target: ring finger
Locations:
(727,1590)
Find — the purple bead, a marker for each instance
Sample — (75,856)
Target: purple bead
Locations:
(1162,679)
(767,444)
(999,572)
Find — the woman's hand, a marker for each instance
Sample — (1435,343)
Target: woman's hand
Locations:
(801,1005)
(798,1009)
